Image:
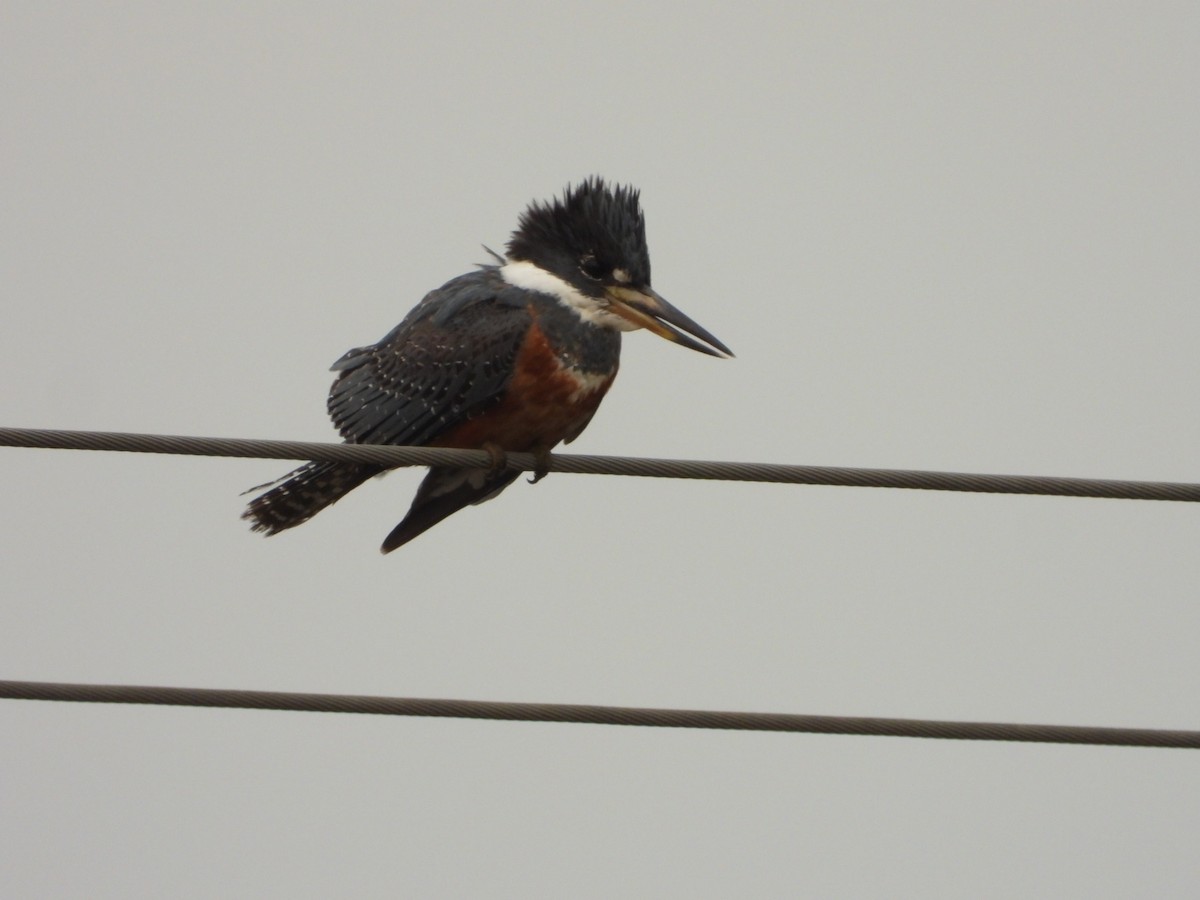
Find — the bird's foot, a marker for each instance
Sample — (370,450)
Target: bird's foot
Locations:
(499,459)
(541,465)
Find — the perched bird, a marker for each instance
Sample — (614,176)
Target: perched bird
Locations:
(514,356)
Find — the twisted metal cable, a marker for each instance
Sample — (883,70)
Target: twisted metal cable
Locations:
(389,455)
(597,715)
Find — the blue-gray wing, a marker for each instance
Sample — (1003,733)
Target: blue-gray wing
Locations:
(449,359)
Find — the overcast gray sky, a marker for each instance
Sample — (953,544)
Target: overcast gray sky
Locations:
(943,236)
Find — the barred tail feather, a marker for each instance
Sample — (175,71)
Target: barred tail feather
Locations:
(304,493)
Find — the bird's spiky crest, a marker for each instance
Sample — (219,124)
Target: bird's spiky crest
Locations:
(591,217)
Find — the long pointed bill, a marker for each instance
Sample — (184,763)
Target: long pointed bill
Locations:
(648,310)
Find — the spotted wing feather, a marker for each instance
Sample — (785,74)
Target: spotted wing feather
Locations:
(447,361)
(450,359)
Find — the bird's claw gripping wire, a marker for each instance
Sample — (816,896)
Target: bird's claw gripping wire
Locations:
(541,465)
(541,462)
(499,459)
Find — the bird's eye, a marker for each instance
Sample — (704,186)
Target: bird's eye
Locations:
(591,267)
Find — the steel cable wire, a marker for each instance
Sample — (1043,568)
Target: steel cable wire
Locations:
(389,455)
(596,715)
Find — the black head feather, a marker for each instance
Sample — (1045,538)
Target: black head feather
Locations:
(582,237)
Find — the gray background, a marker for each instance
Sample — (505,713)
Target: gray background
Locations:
(939,236)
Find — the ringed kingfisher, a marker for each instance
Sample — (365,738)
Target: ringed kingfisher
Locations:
(514,356)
